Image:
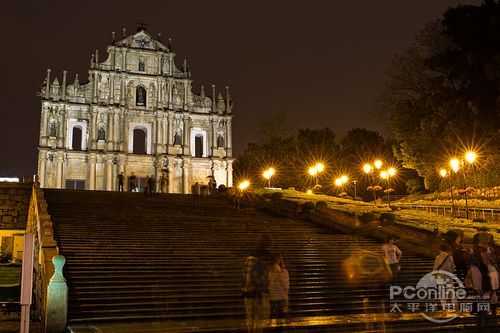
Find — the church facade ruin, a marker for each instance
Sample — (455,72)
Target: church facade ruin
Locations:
(137,114)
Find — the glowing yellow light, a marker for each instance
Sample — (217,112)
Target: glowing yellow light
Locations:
(344,179)
(313,171)
(455,164)
(338,182)
(309,192)
(271,171)
(443,172)
(384,175)
(244,185)
(367,168)
(320,167)
(391,172)
(470,156)
(378,164)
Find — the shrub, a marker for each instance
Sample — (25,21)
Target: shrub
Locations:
(358,199)
(307,206)
(291,189)
(321,204)
(276,196)
(268,195)
(386,219)
(367,217)
(478,219)
(348,197)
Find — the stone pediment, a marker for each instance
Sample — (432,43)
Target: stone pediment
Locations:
(142,40)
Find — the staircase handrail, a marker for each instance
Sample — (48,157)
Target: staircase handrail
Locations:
(40,225)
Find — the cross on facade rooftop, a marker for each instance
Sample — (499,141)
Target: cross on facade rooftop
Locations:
(141,25)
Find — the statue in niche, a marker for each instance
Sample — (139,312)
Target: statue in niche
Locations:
(53,129)
(220,140)
(142,67)
(177,137)
(140,96)
(101,134)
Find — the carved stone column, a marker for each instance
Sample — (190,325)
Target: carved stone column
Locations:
(187,136)
(112,87)
(229,138)
(109,135)
(186,166)
(229,173)
(92,163)
(109,173)
(41,169)
(59,170)
(170,134)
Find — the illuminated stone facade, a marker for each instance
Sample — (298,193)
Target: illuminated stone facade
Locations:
(137,114)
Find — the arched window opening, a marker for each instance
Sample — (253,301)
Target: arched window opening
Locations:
(140,96)
(76,143)
(198,145)
(142,67)
(139,146)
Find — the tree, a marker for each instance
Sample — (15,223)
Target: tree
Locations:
(442,94)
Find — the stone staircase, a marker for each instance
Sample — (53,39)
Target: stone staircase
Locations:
(143,260)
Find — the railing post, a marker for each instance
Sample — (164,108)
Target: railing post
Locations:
(57,299)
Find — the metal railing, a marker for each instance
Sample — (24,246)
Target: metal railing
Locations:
(457,211)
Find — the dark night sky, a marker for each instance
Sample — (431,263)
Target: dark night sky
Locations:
(321,62)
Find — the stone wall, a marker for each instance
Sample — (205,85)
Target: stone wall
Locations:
(14,205)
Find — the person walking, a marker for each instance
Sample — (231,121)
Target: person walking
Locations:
(444,263)
(250,294)
(163,183)
(484,272)
(151,185)
(393,254)
(279,285)
(121,179)
(133,182)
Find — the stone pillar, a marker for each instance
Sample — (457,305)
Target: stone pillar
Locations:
(112,88)
(95,87)
(185,106)
(64,86)
(109,173)
(186,164)
(124,134)
(124,60)
(59,169)
(41,169)
(170,88)
(158,137)
(47,85)
(122,90)
(214,123)
(57,299)
(92,127)
(229,138)
(170,175)
(170,134)
(92,163)
(109,135)
(229,173)
(116,131)
(187,136)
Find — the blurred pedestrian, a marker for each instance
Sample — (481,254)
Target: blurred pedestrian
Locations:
(393,254)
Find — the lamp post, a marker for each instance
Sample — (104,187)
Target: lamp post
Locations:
(444,173)
(387,175)
(268,174)
(316,170)
(354,183)
(339,182)
(456,164)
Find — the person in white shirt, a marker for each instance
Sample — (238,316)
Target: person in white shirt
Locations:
(444,261)
(393,255)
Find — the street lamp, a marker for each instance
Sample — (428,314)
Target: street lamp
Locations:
(244,185)
(377,164)
(444,173)
(455,165)
(315,170)
(339,182)
(268,174)
(386,175)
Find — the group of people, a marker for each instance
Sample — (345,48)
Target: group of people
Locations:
(265,288)
(149,187)
(477,267)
